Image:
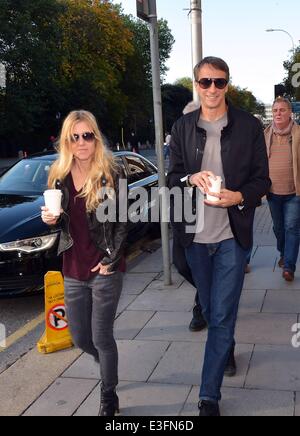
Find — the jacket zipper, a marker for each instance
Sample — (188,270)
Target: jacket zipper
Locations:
(107,249)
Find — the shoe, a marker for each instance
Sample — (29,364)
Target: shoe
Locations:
(281,262)
(109,404)
(288,276)
(247,269)
(208,408)
(230,370)
(198,323)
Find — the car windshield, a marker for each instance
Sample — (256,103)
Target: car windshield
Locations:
(27,177)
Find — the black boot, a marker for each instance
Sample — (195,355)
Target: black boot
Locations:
(109,403)
(207,408)
(198,323)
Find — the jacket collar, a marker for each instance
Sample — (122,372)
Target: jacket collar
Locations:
(231,116)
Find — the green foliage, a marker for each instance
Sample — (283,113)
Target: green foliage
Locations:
(137,81)
(175,98)
(62,55)
(186,82)
(244,99)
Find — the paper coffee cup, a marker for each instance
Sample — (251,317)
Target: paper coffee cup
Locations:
(215,188)
(53,201)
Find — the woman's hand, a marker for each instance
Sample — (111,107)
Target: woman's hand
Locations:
(47,217)
(103,269)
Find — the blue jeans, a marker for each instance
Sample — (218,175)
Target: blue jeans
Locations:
(218,271)
(285,211)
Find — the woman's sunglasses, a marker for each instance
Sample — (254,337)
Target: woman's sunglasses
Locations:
(86,136)
(207,83)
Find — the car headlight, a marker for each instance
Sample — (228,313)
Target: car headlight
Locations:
(32,245)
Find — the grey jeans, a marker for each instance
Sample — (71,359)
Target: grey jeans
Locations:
(91,309)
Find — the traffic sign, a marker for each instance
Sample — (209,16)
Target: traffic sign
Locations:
(143,9)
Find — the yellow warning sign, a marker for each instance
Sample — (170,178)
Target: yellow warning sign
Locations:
(57,336)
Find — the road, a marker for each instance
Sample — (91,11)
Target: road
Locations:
(22,317)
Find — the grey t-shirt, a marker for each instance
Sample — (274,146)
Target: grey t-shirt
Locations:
(216,221)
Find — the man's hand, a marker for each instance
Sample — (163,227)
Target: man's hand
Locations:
(226,199)
(201,180)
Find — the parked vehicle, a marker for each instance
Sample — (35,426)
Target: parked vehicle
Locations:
(28,248)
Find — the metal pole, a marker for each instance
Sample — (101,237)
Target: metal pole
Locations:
(197,52)
(159,140)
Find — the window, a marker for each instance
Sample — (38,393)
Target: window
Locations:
(138,169)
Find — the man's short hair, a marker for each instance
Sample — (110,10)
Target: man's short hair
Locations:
(217,63)
(283,100)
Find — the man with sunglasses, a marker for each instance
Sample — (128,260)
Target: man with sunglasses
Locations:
(218,140)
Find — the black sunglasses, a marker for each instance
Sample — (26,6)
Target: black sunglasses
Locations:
(86,136)
(207,83)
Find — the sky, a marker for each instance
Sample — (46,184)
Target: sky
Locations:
(235,31)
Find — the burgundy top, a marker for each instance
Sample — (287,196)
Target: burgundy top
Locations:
(83,255)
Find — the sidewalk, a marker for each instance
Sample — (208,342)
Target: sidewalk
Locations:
(160,359)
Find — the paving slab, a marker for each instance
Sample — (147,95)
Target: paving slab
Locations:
(138,359)
(28,378)
(62,398)
(158,283)
(282,301)
(252,301)
(151,263)
(135,284)
(264,328)
(168,300)
(124,302)
(131,322)
(84,368)
(141,399)
(183,362)
(246,402)
(171,326)
(265,278)
(274,368)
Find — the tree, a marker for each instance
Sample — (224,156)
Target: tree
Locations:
(29,36)
(186,82)
(137,80)
(96,44)
(174,98)
(60,55)
(244,99)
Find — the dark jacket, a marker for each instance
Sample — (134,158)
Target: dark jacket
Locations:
(245,165)
(109,237)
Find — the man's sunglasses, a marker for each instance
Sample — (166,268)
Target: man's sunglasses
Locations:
(86,136)
(207,83)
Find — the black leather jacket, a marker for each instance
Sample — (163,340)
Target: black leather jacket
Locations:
(245,164)
(109,237)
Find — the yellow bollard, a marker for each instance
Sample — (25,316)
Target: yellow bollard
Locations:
(57,336)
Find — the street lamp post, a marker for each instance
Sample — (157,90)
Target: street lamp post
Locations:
(284,31)
(197,50)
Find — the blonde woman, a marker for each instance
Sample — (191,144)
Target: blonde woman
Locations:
(92,250)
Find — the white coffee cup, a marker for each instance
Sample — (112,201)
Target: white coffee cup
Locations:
(53,201)
(215,188)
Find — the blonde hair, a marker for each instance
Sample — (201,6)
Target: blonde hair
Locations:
(102,167)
